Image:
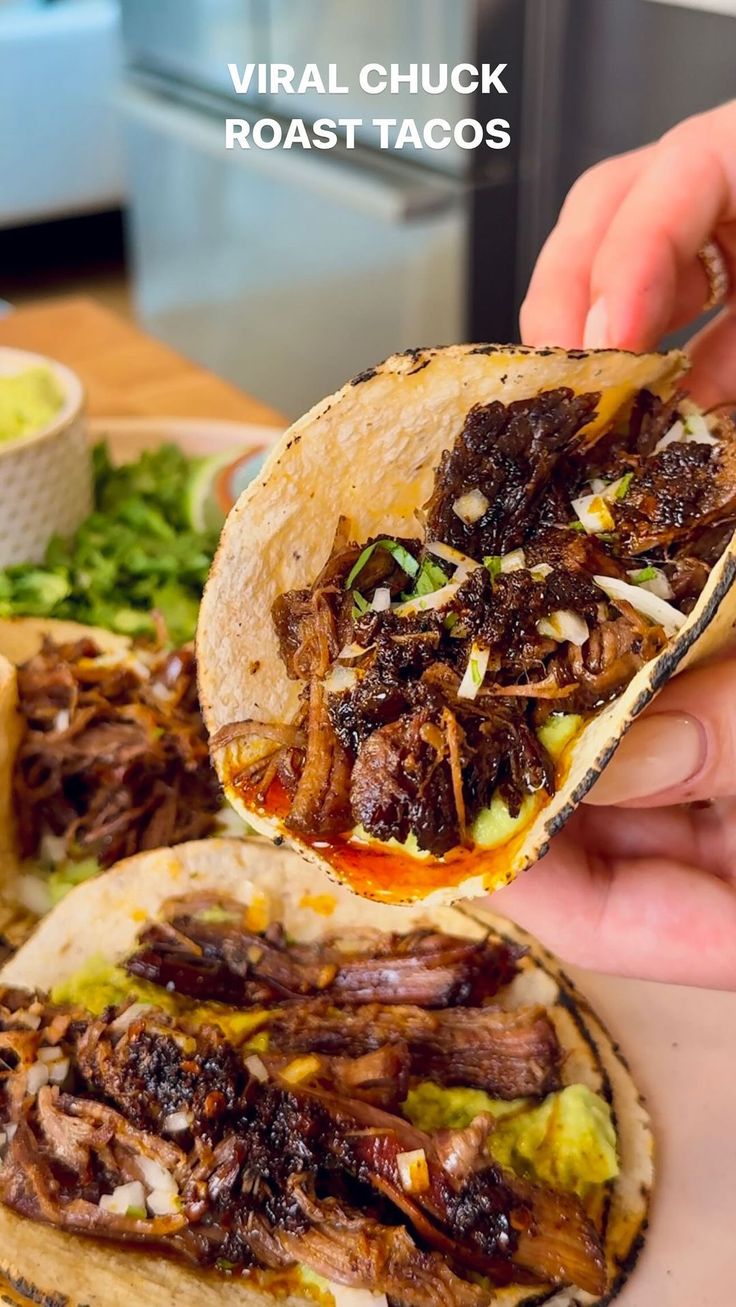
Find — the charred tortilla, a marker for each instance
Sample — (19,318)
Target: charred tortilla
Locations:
(461,549)
(120,912)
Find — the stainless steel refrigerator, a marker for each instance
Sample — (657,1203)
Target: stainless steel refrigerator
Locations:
(289,271)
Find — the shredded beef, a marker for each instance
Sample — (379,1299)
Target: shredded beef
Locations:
(509,453)
(508,1054)
(399,743)
(225,962)
(270,1172)
(676,490)
(113,759)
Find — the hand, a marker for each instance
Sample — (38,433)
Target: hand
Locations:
(621,269)
(635,884)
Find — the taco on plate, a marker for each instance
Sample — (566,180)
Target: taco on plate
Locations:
(235,1083)
(103,753)
(451,590)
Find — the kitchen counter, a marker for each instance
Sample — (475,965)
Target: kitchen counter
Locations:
(125,371)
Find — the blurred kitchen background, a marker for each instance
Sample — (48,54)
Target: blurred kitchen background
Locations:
(287,271)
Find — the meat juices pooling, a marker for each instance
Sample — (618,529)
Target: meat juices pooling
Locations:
(551,572)
(252,1162)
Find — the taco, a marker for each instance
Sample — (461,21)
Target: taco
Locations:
(236,1081)
(454,586)
(103,753)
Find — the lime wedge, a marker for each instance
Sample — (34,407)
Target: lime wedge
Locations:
(203,506)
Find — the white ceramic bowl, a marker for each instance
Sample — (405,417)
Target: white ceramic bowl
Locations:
(45,478)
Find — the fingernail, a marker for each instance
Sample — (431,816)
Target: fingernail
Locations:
(595,331)
(658,754)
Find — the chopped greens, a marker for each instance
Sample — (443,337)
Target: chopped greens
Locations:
(402,556)
(623,485)
(360,605)
(429,578)
(645,574)
(135,553)
(493,563)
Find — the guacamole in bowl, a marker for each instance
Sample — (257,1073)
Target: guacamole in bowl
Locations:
(29,401)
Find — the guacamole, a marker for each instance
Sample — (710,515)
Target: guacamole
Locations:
(568,1141)
(28,402)
(99,984)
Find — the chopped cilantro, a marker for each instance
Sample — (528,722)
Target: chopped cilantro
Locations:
(646,574)
(493,563)
(405,560)
(430,578)
(623,485)
(222,1264)
(360,605)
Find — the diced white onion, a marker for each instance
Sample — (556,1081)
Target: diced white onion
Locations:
(58,1071)
(3,1139)
(340,678)
(36,1077)
(62,720)
(354,650)
(656,585)
(10,1129)
(32,892)
(161,691)
(540,570)
(413,1170)
(176,1122)
(598,486)
(52,849)
(449,554)
(437,599)
(50,1054)
(697,430)
(514,561)
(692,430)
(257,1067)
(131,1014)
(611,491)
(381,599)
(123,1198)
(155,1176)
(658,610)
(470,507)
(161,1202)
(564,624)
(594,513)
(474,673)
(671,437)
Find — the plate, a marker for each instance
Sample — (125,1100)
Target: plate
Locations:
(248,443)
(679,1041)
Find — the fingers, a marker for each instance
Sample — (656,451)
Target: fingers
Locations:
(654,918)
(703,835)
(682,749)
(620,268)
(685,195)
(713,351)
(558,297)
